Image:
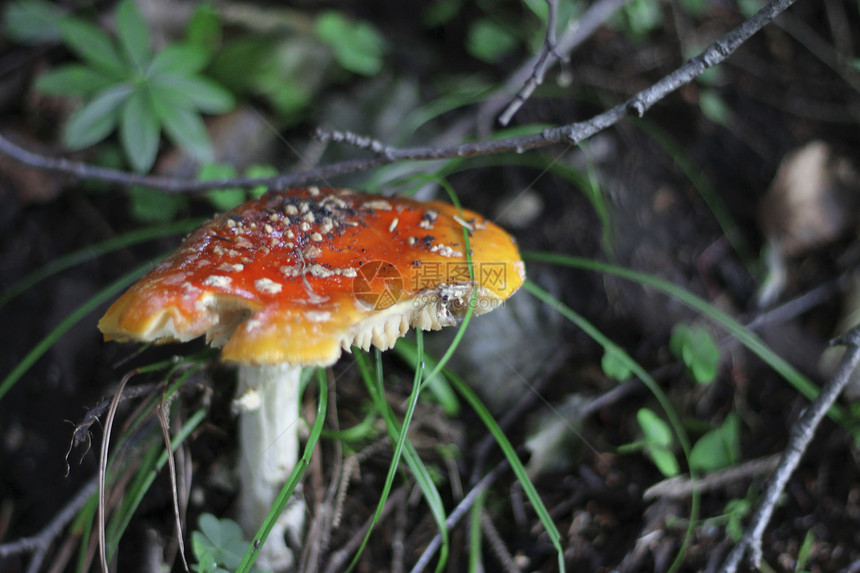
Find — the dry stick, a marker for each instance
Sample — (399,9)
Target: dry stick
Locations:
(555,52)
(573,133)
(339,558)
(802,432)
(454,517)
(497,544)
(38,544)
(528,74)
(545,59)
(680,487)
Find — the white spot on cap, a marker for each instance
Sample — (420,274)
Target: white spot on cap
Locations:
(232,268)
(378,204)
(445,251)
(267,286)
(218,281)
(316,237)
(317,315)
(393,225)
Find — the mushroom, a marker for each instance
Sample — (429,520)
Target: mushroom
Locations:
(293,278)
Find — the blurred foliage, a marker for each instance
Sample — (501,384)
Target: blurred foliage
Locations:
(128,87)
(614,366)
(719,448)
(218,545)
(658,441)
(695,346)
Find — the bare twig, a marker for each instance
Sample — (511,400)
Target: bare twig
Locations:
(524,78)
(353,139)
(82,430)
(545,59)
(497,545)
(454,517)
(681,487)
(340,557)
(38,544)
(573,133)
(802,432)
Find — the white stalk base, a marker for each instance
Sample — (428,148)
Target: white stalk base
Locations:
(268,402)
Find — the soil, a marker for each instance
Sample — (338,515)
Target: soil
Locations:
(790,85)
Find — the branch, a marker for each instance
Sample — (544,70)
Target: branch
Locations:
(573,133)
(39,544)
(802,432)
(553,52)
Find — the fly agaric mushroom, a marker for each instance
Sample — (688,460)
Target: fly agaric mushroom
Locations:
(291,280)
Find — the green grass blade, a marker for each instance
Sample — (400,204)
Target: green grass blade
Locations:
(94,251)
(646,378)
(66,324)
(511,455)
(416,466)
(800,382)
(706,190)
(475,557)
(438,384)
(145,477)
(156,456)
(287,491)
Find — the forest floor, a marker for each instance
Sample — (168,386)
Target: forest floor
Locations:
(686,194)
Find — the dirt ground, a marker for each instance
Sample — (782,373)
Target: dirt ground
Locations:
(790,85)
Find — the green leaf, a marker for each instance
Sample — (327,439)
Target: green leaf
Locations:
(613,365)
(139,131)
(714,107)
(737,510)
(749,7)
(32,22)
(695,346)
(489,42)
(152,206)
(204,28)
(257,172)
(221,199)
(694,7)
(643,16)
(199,93)
(73,80)
(219,545)
(178,59)
(441,12)
(719,448)
(94,46)
(185,128)
(657,431)
(95,120)
(133,32)
(665,460)
(357,46)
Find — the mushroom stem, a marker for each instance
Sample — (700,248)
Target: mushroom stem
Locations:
(267,400)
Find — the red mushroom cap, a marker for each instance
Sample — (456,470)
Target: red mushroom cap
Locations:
(297,275)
